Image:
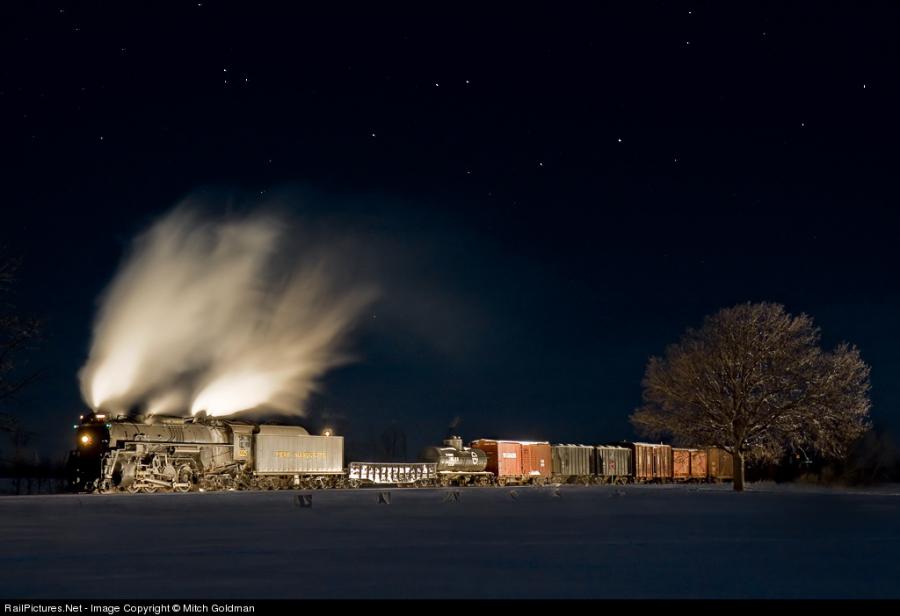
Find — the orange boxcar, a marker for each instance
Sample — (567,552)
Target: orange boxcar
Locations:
(699,460)
(688,464)
(681,464)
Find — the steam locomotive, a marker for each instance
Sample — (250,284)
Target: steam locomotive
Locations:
(203,453)
(178,454)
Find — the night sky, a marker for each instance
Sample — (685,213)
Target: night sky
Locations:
(558,191)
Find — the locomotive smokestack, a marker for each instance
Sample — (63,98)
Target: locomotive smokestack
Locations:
(454,441)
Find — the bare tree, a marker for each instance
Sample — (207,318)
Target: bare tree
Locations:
(16,334)
(754,380)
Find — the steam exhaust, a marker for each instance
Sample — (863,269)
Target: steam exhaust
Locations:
(222,314)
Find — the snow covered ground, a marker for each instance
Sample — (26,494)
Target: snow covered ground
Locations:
(604,542)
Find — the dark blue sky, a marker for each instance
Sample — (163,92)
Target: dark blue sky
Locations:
(558,191)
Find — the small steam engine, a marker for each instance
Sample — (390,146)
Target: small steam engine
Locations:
(179,454)
(457,464)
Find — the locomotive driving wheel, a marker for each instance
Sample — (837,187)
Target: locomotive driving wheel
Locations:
(184,479)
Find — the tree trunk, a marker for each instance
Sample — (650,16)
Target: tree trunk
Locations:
(738,471)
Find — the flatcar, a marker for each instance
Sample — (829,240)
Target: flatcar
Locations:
(417,474)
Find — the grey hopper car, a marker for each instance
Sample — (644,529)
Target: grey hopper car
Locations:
(614,464)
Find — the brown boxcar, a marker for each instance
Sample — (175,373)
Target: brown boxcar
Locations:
(504,458)
(652,462)
(537,460)
(688,464)
(720,464)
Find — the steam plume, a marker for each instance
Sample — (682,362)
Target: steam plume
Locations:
(221,315)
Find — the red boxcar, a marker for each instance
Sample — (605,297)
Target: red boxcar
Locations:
(504,458)
(537,460)
(519,461)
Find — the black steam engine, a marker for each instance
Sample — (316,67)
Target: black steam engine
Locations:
(181,454)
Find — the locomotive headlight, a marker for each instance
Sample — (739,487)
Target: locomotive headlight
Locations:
(327,432)
(85,439)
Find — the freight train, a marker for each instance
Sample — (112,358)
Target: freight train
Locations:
(201,453)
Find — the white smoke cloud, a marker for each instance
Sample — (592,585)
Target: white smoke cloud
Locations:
(221,315)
